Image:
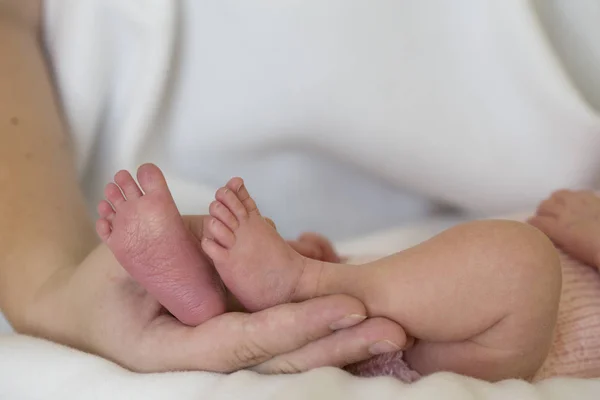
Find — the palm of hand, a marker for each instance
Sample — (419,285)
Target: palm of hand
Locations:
(97,307)
(114,316)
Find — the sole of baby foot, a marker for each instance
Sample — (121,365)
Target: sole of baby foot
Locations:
(254,261)
(147,235)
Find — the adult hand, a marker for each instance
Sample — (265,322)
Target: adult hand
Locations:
(98,308)
(93,304)
(318,247)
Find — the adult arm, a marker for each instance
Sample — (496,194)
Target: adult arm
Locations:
(44,227)
(55,281)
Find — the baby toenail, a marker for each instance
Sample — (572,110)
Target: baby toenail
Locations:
(347,322)
(384,346)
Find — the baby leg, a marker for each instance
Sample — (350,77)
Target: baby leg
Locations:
(480,298)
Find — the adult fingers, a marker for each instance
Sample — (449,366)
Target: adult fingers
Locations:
(307,249)
(371,337)
(234,341)
(326,247)
(313,245)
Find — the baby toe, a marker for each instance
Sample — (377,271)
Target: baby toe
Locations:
(219,211)
(114,195)
(105,210)
(103,229)
(228,198)
(220,233)
(151,179)
(237,186)
(128,185)
(214,250)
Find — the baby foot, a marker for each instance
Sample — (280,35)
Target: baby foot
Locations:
(253,260)
(572,221)
(150,240)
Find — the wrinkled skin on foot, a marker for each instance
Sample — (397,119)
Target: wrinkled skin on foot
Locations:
(162,251)
(328,331)
(149,238)
(571,219)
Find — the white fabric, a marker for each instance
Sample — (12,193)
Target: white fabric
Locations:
(82,376)
(573,27)
(344,116)
(62,373)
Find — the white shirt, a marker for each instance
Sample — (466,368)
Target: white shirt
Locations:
(343,116)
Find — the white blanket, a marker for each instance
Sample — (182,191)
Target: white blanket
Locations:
(28,368)
(36,369)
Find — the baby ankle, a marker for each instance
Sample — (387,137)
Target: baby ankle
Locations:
(309,281)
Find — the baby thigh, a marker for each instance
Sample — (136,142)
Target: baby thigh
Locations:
(494,313)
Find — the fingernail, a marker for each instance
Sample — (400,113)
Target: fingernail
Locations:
(347,322)
(384,346)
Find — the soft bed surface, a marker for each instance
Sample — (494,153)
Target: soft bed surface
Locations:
(33,368)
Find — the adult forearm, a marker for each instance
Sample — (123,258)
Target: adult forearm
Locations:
(43,222)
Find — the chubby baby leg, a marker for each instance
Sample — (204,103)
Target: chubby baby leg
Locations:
(481,298)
